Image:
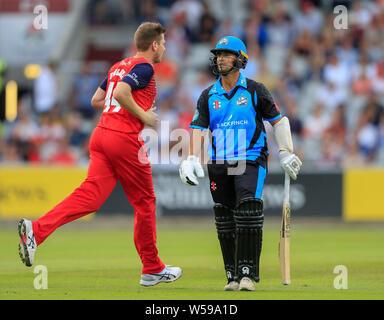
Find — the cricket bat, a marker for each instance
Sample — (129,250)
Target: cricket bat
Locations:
(284,235)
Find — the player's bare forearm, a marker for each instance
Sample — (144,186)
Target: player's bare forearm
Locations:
(123,95)
(98,99)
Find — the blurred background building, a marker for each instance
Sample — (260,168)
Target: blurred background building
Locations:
(330,83)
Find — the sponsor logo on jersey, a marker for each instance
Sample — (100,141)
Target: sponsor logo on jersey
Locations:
(232,123)
(133,76)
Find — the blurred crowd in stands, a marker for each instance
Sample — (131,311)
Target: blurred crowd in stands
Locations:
(328,82)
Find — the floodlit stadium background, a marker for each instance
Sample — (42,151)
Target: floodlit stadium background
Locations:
(329,82)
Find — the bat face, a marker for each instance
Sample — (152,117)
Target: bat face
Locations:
(284,255)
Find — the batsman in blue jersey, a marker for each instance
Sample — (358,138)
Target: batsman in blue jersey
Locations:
(233,110)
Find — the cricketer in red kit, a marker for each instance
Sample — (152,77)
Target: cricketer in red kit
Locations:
(127,96)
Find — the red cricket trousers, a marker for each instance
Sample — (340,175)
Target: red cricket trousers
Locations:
(114,156)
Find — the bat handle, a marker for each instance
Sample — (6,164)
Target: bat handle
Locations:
(287,181)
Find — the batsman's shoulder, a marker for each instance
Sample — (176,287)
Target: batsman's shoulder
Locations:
(251,82)
(207,91)
(256,85)
(205,94)
(261,90)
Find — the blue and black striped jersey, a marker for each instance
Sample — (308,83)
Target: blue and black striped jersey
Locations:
(235,120)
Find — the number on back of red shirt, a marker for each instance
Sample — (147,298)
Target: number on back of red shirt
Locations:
(111,105)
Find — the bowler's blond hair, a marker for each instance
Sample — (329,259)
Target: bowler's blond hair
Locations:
(146,33)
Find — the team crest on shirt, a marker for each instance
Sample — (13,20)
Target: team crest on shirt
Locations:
(242,101)
(217,104)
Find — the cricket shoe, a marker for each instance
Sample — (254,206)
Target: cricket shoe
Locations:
(232,286)
(27,245)
(246,284)
(169,274)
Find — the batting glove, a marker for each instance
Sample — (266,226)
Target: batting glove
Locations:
(190,170)
(290,163)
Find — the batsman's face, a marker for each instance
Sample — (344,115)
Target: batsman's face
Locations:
(159,50)
(225,60)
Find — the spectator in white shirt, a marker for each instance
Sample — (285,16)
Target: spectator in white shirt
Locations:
(45,89)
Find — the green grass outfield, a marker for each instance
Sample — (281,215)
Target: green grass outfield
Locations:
(91,261)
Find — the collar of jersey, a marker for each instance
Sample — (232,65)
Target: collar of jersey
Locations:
(218,88)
